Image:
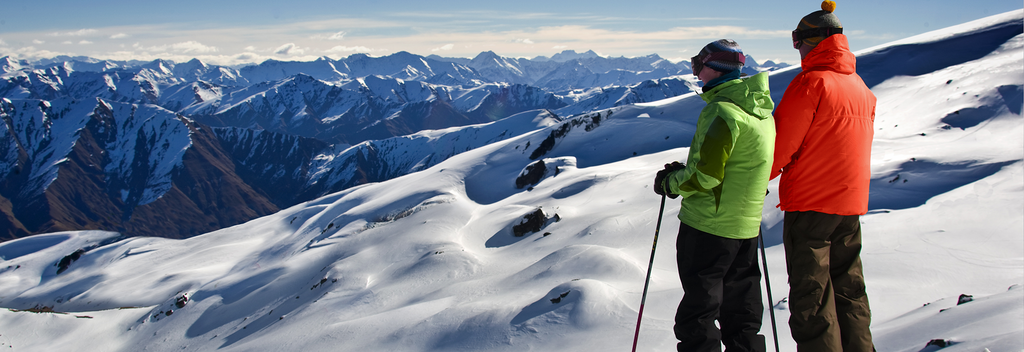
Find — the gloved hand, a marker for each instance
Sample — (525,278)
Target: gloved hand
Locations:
(659,179)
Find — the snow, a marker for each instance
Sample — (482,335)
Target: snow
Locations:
(428,261)
(166,139)
(986,323)
(401,155)
(52,128)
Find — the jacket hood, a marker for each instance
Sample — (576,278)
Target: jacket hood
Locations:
(750,94)
(833,53)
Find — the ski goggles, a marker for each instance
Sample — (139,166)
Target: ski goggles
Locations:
(800,34)
(697,62)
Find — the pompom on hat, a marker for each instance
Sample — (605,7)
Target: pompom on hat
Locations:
(823,18)
(828,6)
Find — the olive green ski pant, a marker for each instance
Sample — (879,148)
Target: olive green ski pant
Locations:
(827,299)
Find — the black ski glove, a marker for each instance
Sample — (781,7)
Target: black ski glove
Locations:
(659,179)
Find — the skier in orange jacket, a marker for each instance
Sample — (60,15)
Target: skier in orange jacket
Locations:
(824,125)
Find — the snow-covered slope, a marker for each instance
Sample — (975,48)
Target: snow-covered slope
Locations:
(113,157)
(47,131)
(430,261)
(74,164)
(380,160)
(595,99)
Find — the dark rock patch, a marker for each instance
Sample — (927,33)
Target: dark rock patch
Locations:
(532,174)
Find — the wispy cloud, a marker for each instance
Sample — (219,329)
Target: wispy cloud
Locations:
(193,47)
(349,49)
(32,52)
(445,47)
(289,49)
(716,32)
(584,37)
(332,36)
(719,19)
(462,34)
(494,15)
(189,47)
(78,33)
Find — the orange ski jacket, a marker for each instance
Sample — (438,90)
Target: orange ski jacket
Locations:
(824,126)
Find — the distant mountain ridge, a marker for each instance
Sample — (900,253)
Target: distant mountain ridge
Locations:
(346,101)
(486,67)
(176,149)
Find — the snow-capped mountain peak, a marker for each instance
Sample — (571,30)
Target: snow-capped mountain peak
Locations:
(569,55)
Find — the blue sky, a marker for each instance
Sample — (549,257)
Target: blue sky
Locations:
(236,32)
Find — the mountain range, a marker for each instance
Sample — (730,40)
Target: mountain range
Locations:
(161,148)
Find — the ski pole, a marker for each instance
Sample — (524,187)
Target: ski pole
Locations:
(768,285)
(650,266)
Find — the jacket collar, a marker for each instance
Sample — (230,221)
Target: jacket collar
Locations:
(832,54)
(728,76)
(750,94)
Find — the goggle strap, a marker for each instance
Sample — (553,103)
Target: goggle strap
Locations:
(724,55)
(815,32)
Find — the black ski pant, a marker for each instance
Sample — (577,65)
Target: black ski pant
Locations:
(828,303)
(721,281)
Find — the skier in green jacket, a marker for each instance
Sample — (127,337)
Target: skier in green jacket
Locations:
(723,185)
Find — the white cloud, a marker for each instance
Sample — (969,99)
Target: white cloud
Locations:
(349,49)
(189,47)
(711,32)
(289,49)
(67,42)
(32,52)
(245,57)
(445,47)
(78,33)
(332,36)
(307,38)
(84,42)
(37,41)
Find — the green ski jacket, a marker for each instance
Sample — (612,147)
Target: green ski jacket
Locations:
(723,185)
